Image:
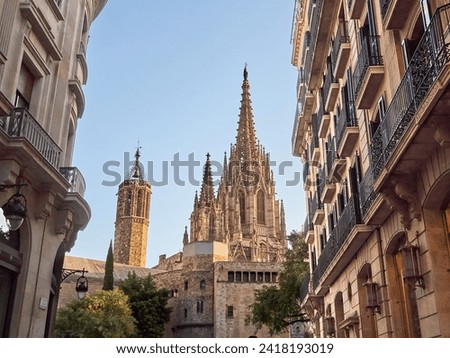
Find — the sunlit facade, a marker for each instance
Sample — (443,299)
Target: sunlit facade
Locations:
(42,72)
(373,133)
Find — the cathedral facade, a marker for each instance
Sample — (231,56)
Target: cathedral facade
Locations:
(236,244)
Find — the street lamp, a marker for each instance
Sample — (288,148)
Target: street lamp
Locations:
(82,285)
(15,209)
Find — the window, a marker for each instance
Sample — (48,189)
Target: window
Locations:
(202,284)
(230,311)
(185,313)
(200,307)
(238,276)
(231,276)
(252,276)
(24,88)
(242,207)
(274,276)
(261,213)
(260,277)
(245,276)
(267,277)
(186,285)
(128,203)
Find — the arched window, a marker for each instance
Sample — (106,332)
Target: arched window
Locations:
(140,204)
(260,207)
(128,203)
(242,207)
(202,284)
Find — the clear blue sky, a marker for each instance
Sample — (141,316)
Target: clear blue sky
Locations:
(168,73)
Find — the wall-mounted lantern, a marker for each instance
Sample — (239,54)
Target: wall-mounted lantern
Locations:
(82,285)
(15,209)
(412,272)
(372,301)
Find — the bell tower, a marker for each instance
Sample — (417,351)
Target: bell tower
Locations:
(132,217)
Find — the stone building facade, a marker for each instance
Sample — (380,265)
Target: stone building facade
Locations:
(42,72)
(372,132)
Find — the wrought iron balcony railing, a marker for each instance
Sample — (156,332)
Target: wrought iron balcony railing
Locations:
(305,171)
(366,193)
(329,79)
(75,179)
(350,217)
(346,119)
(430,57)
(384,6)
(21,124)
(368,56)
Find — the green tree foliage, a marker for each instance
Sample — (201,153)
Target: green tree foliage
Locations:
(148,305)
(106,314)
(108,281)
(278,307)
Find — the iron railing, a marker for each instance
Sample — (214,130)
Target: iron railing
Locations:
(350,217)
(329,79)
(75,179)
(368,56)
(366,193)
(346,119)
(430,57)
(384,6)
(21,124)
(305,171)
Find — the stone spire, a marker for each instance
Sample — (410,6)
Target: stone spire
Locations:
(185,236)
(207,190)
(246,148)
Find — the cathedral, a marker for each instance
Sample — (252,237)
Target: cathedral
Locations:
(236,242)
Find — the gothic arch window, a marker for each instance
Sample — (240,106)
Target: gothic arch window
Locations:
(260,207)
(242,207)
(202,284)
(140,204)
(128,203)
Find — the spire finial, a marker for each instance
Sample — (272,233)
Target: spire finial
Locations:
(245,72)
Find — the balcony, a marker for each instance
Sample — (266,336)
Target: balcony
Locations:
(308,230)
(395,13)
(345,240)
(323,120)
(21,124)
(75,179)
(321,23)
(368,74)
(335,166)
(355,8)
(330,91)
(316,208)
(347,130)
(340,52)
(425,70)
(327,190)
(314,149)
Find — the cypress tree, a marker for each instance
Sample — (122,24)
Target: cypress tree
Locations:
(108,281)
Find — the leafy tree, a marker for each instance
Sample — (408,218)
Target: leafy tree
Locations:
(278,307)
(105,314)
(148,305)
(108,281)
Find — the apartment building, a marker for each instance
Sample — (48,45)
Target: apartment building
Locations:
(43,69)
(372,131)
